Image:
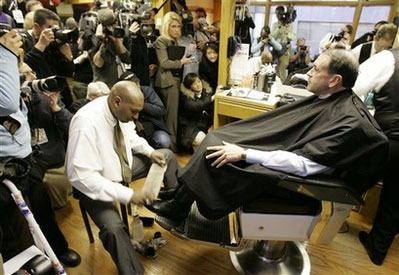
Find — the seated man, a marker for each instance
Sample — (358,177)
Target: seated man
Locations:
(101,137)
(330,132)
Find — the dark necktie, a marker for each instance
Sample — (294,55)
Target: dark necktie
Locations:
(120,148)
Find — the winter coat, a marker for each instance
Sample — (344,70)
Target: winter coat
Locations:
(195,114)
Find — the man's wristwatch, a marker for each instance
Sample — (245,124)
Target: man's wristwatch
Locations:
(244,155)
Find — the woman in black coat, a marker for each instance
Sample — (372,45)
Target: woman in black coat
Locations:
(208,67)
(195,112)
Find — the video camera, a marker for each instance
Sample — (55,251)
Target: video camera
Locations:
(44,85)
(136,11)
(187,27)
(289,15)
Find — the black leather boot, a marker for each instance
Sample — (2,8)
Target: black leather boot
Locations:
(177,208)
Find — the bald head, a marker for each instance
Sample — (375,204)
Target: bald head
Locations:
(266,57)
(125,101)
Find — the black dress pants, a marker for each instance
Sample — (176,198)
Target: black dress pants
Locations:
(386,223)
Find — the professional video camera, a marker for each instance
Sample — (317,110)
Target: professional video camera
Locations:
(44,85)
(289,14)
(136,11)
(187,27)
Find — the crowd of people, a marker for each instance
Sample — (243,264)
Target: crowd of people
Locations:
(139,95)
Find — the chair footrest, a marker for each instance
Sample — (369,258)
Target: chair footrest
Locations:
(198,227)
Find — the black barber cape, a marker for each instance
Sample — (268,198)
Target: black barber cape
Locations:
(337,132)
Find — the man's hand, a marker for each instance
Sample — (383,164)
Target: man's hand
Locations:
(158,158)
(46,37)
(140,197)
(134,28)
(152,68)
(12,41)
(52,99)
(225,153)
(99,31)
(201,43)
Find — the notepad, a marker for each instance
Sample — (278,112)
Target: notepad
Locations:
(175,52)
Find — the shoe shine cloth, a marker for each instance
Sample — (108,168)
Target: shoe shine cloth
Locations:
(153,181)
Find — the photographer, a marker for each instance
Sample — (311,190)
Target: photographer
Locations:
(47,55)
(368,36)
(265,41)
(15,144)
(283,32)
(300,59)
(49,124)
(112,51)
(143,58)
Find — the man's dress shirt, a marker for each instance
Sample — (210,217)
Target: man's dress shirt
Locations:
(92,164)
(378,67)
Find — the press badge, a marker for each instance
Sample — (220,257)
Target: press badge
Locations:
(18,16)
(39,137)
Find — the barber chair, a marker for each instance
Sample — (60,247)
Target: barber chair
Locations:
(264,235)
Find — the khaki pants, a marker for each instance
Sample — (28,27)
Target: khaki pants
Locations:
(283,63)
(57,186)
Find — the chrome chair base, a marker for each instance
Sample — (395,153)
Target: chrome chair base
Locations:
(271,257)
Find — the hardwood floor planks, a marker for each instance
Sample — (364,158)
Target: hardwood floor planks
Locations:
(345,255)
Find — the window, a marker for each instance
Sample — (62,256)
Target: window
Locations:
(370,16)
(314,22)
(258,15)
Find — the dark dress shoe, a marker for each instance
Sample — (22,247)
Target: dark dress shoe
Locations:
(167,194)
(375,257)
(70,258)
(169,209)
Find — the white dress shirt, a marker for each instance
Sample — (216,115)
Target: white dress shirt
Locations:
(287,162)
(92,164)
(374,73)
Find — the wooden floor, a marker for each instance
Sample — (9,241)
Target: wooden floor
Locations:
(345,255)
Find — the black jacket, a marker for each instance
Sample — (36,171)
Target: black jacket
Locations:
(55,125)
(195,114)
(48,63)
(208,72)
